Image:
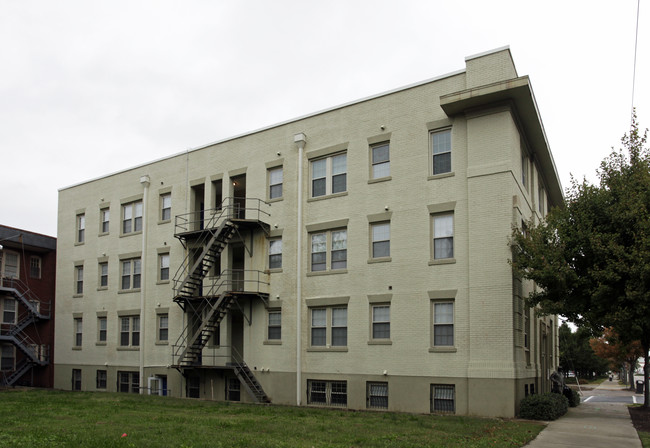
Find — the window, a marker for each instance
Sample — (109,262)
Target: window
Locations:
(275,183)
(327,393)
(163,260)
(131,274)
(79,279)
(78,333)
(329,175)
(275,253)
(104,218)
(81,228)
(130,331)
(443,236)
(101,329)
(380,160)
(275,326)
(163,327)
(443,324)
(443,398)
(381,322)
(35,267)
(166,207)
(524,168)
(76,379)
(376,395)
(233,389)
(8,311)
(338,322)
(380,240)
(101,379)
(338,250)
(9,263)
(128,382)
(132,217)
(103,275)
(541,197)
(441,151)
(8,355)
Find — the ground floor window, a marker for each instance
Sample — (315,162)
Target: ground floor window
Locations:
(7,362)
(128,382)
(194,387)
(233,389)
(101,379)
(327,393)
(443,398)
(377,395)
(76,379)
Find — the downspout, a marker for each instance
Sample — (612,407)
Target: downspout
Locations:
(144,180)
(300,140)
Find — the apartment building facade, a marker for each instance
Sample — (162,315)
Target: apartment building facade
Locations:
(27,288)
(356,257)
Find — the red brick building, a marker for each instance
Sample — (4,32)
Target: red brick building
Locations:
(27,286)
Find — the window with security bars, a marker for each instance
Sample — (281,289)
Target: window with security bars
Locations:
(128,382)
(101,379)
(443,398)
(377,395)
(327,393)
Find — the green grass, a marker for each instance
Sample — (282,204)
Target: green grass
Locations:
(44,418)
(645,438)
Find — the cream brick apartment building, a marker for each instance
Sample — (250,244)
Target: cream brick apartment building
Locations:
(355,257)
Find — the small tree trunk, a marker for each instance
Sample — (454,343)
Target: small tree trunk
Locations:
(646,368)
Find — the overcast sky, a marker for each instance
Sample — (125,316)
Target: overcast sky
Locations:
(88,88)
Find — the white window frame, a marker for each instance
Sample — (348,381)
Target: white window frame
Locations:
(330,171)
(443,399)
(8,270)
(165,207)
(327,393)
(81,228)
(525,168)
(163,267)
(433,136)
(129,379)
(378,321)
(276,182)
(442,320)
(78,280)
(275,253)
(274,325)
(379,166)
(379,236)
(131,269)
(162,331)
(104,220)
(132,217)
(129,333)
(78,332)
(377,395)
(103,274)
(441,233)
(9,311)
(329,239)
(102,329)
(541,201)
(334,325)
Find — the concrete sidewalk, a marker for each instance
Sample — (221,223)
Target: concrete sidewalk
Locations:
(593,425)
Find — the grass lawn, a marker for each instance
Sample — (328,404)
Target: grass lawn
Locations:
(645,438)
(45,418)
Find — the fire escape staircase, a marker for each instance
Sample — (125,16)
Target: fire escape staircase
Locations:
(212,302)
(35,310)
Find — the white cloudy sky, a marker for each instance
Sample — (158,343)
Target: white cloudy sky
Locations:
(90,87)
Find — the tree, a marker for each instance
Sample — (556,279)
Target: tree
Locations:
(591,258)
(576,353)
(610,347)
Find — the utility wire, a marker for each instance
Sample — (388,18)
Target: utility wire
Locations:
(636,40)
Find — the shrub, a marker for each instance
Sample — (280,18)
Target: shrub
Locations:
(548,406)
(574,400)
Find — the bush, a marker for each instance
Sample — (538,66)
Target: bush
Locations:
(573,396)
(548,406)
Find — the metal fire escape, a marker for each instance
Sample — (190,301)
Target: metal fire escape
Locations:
(207,299)
(33,310)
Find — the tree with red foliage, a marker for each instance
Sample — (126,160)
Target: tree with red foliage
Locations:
(610,347)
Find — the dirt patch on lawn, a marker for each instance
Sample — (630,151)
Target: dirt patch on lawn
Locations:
(640,418)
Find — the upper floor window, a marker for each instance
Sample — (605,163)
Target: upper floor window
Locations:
(79,280)
(275,253)
(35,267)
(8,311)
(165,207)
(132,217)
(104,219)
(130,331)
(274,332)
(441,151)
(131,274)
(163,327)
(524,167)
(380,239)
(443,236)
(275,183)
(380,160)
(81,228)
(101,329)
(336,257)
(336,318)
(541,200)
(443,324)
(103,274)
(163,260)
(78,334)
(9,264)
(329,175)
(381,322)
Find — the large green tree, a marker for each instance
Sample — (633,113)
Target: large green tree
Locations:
(577,354)
(591,258)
